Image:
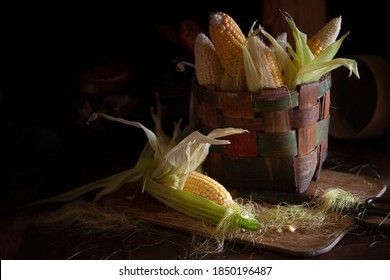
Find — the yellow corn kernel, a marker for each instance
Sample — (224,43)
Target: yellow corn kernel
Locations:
(207,187)
(325,36)
(208,68)
(269,74)
(228,41)
(273,68)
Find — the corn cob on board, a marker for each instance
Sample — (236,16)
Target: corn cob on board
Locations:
(300,243)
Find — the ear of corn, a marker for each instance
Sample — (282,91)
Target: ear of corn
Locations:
(249,64)
(284,56)
(325,62)
(261,65)
(207,187)
(305,66)
(228,41)
(325,36)
(167,169)
(208,68)
(227,219)
(273,68)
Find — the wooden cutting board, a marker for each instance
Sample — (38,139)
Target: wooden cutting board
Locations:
(302,243)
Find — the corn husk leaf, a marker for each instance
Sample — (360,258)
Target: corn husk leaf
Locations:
(303,53)
(314,71)
(253,79)
(253,61)
(225,218)
(307,67)
(330,52)
(282,38)
(284,59)
(325,62)
(164,166)
(227,83)
(257,71)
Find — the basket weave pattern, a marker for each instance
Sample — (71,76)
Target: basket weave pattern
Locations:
(288,138)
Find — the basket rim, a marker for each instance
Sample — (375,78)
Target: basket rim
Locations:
(324,83)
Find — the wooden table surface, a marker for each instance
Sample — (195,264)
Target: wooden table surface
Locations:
(20,240)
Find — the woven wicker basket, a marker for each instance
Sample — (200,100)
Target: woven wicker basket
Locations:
(288,138)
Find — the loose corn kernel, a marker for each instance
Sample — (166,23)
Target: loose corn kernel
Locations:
(207,187)
(228,41)
(291,228)
(325,36)
(208,68)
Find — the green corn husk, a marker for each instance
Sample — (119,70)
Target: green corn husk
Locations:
(225,218)
(227,83)
(164,166)
(301,66)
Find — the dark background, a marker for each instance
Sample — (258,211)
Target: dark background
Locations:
(44,46)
